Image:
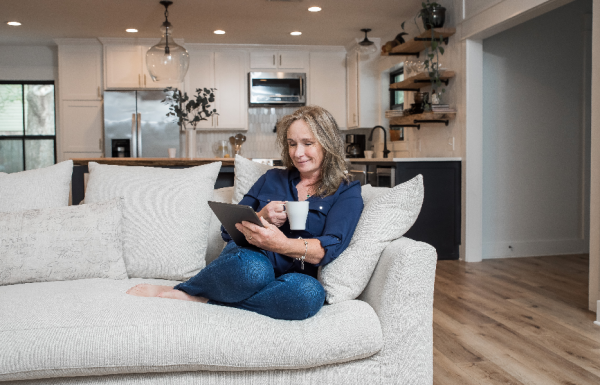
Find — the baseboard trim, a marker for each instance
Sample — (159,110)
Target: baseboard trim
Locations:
(519,249)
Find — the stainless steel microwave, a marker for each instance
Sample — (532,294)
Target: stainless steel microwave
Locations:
(276,88)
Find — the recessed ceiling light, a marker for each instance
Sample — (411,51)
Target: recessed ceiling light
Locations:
(219,32)
(296,33)
(13,23)
(131,30)
(314,9)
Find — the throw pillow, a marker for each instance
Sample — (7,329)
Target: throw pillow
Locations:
(386,217)
(247,173)
(62,244)
(36,189)
(369,192)
(165,215)
(215,242)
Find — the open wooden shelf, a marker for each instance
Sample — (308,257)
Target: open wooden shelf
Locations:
(426,117)
(415,46)
(419,81)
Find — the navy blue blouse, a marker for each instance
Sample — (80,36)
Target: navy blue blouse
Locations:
(331,220)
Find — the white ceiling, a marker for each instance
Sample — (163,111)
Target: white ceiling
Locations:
(245,21)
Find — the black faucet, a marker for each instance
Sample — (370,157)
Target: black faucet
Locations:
(385,149)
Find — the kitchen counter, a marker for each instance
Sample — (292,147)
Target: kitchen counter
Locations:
(154,162)
(391,160)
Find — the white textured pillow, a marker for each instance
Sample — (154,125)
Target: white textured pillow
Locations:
(215,241)
(62,244)
(247,173)
(36,189)
(369,192)
(385,218)
(165,215)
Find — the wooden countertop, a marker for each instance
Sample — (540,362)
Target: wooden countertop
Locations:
(161,162)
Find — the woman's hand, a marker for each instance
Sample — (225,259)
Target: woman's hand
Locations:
(268,237)
(274,213)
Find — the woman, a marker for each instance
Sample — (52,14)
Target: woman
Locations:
(277,277)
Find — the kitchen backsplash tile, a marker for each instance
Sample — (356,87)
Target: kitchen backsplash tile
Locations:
(260,138)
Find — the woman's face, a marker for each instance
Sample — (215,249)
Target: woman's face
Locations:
(306,152)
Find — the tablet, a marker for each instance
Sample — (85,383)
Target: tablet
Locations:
(230,214)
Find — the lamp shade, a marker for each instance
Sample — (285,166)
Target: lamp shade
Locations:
(167,64)
(367,49)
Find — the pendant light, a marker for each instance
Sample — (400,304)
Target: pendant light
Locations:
(367,46)
(167,60)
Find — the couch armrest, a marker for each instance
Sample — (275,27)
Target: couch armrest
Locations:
(401,293)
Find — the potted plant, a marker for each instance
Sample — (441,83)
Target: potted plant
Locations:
(433,16)
(190,111)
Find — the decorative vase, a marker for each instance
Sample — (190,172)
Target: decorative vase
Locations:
(190,140)
(434,18)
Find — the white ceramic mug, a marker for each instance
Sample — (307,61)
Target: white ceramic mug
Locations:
(297,212)
(172,152)
(368,154)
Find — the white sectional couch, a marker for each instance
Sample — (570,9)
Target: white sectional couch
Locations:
(82,330)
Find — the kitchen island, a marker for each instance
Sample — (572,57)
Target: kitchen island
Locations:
(439,222)
(80,169)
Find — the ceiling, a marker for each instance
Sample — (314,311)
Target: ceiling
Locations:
(245,21)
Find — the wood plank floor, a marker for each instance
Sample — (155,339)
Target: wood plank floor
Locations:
(515,321)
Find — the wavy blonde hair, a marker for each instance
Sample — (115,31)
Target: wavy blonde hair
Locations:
(325,130)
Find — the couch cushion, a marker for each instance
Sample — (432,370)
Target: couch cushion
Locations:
(165,215)
(62,243)
(215,241)
(247,173)
(36,189)
(91,327)
(386,217)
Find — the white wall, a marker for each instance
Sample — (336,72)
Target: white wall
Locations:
(29,63)
(594,289)
(534,131)
(473,7)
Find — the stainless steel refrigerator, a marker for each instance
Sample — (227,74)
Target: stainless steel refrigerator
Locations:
(136,125)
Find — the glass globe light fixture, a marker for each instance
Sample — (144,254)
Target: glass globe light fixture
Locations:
(167,60)
(367,46)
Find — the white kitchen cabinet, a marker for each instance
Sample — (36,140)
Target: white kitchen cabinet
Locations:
(122,66)
(201,74)
(363,90)
(279,60)
(125,68)
(352,73)
(263,59)
(81,126)
(225,71)
(293,60)
(231,95)
(327,83)
(80,71)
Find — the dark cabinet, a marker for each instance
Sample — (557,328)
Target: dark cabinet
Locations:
(439,222)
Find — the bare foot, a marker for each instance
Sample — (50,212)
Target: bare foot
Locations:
(147,290)
(178,294)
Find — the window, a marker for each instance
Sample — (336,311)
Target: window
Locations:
(27,125)
(397,97)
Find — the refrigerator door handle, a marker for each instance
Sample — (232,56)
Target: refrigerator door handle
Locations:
(139,134)
(133,148)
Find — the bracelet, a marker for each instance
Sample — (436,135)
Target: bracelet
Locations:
(305,251)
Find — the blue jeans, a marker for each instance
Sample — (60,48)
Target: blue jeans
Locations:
(244,278)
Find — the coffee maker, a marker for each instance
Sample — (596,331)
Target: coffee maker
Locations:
(355,146)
